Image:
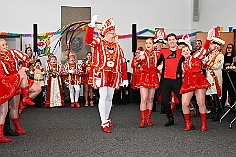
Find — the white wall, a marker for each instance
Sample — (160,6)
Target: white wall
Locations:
(174,15)
(216,13)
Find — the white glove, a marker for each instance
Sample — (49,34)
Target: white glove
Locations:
(210,34)
(71,71)
(98,82)
(125,83)
(93,21)
(204,60)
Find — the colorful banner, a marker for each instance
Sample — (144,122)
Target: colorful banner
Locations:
(85,28)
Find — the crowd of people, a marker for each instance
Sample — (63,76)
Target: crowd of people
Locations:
(178,75)
(171,75)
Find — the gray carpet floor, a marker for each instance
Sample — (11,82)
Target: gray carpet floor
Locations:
(67,132)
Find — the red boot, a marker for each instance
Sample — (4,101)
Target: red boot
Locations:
(189,124)
(143,117)
(26,99)
(148,116)
(22,106)
(204,122)
(77,105)
(110,123)
(3,139)
(18,128)
(105,128)
(72,105)
(172,107)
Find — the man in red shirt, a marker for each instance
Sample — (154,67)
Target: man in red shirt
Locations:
(171,79)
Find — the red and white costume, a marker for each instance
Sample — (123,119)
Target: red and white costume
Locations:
(108,65)
(86,66)
(10,61)
(8,83)
(193,77)
(73,72)
(214,67)
(38,75)
(136,74)
(148,70)
(108,68)
(54,96)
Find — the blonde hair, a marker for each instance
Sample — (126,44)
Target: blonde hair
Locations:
(1,39)
(150,39)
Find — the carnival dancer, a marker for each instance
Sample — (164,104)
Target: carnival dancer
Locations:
(73,72)
(108,70)
(148,82)
(136,77)
(9,84)
(194,81)
(54,96)
(136,72)
(29,89)
(214,65)
(171,79)
(88,89)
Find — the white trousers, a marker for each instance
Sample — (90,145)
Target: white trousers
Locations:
(74,93)
(105,103)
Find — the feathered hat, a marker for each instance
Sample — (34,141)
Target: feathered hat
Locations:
(216,38)
(160,36)
(107,26)
(186,41)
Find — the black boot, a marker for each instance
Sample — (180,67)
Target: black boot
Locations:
(170,118)
(7,128)
(216,116)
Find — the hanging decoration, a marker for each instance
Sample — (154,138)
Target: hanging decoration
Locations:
(84,28)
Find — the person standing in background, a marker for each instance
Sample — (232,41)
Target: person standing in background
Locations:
(88,89)
(64,60)
(38,73)
(54,97)
(73,72)
(227,88)
(214,65)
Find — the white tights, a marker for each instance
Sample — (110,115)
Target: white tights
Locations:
(105,103)
(74,89)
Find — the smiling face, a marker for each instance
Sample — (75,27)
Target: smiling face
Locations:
(186,51)
(172,41)
(3,46)
(110,36)
(149,44)
(198,45)
(29,52)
